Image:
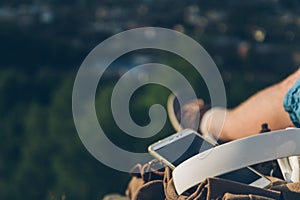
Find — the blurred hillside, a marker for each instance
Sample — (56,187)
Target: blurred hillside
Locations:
(42,44)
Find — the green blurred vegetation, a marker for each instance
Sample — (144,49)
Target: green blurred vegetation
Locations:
(41,155)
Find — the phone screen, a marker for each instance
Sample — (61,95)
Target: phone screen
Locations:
(244,175)
(194,144)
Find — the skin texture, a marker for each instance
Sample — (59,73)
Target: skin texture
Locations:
(265,106)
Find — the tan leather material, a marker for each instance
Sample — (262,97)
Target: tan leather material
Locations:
(149,191)
(146,182)
(160,186)
(229,196)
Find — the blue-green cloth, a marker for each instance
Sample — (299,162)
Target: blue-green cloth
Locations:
(291,103)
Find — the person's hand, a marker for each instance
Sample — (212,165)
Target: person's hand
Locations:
(191,114)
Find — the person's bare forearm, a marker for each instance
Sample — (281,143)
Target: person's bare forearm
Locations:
(265,106)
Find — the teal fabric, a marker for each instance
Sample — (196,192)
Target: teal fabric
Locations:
(291,103)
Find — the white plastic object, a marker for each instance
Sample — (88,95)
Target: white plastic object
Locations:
(236,155)
(290,168)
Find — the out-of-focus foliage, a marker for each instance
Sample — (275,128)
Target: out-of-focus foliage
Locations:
(42,43)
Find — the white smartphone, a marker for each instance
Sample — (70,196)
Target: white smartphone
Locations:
(178,147)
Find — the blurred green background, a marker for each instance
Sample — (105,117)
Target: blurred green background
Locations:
(42,44)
